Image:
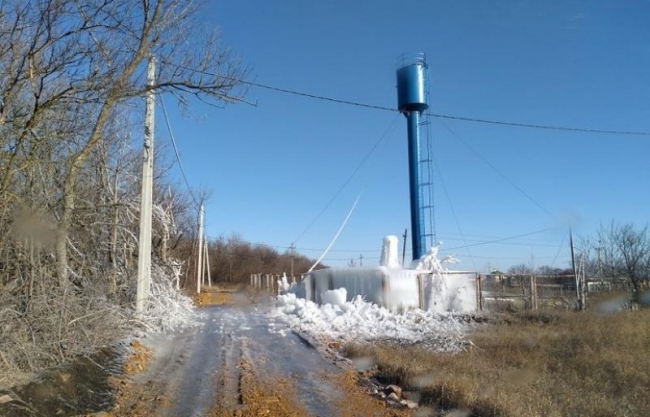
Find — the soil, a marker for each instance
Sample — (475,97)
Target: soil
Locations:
(81,386)
(233,364)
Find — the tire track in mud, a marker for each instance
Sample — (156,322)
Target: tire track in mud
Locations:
(182,377)
(230,373)
(234,365)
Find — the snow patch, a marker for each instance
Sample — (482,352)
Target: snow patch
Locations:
(335,297)
(360,321)
(167,308)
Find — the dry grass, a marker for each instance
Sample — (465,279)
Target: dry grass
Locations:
(569,364)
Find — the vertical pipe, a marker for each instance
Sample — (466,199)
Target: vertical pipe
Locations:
(415,181)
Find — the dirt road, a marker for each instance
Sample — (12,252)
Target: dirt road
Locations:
(235,364)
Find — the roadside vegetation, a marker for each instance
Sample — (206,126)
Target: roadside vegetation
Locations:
(71,127)
(525,364)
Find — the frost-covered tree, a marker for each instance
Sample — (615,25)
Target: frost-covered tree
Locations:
(72,81)
(69,66)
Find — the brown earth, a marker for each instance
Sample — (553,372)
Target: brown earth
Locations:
(218,295)
(233,366)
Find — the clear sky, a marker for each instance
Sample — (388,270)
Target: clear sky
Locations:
(274,166)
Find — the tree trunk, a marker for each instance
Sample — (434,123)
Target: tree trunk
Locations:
(61,249)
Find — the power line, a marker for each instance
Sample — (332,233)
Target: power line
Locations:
(496,240)
(542,245)
(453,211)
(511,257)
(347,181)
(544,127)
(501,174)
(347,259)
(178,156)
(559,248)
(313,249)
(437,115)
(451,117)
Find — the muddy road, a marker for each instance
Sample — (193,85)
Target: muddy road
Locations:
(236,363)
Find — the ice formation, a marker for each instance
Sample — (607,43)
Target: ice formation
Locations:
(167,309)
(283,284)
(361,321)
(389,253)
(335,297)
(426,285)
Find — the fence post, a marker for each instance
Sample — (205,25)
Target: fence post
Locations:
(420,279)
(479,293)
(533,292)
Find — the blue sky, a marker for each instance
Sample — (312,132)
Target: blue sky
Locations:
(274,166)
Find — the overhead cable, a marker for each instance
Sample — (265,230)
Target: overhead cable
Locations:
(495,241)
(347,181)
(437,115)
(178,155)
(501,174)
(453,211)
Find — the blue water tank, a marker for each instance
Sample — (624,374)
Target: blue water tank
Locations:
(412,83)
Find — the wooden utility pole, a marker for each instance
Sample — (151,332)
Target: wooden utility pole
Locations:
(146,199)
(533,292)
(199,266)
(361,260)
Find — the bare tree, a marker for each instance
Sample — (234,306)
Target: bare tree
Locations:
(70,65)
(520,269)
(72,78)
(625,252)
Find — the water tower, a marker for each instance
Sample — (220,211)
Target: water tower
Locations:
(412,101)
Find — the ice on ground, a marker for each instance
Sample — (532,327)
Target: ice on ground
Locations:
(167,309)
(360,321)
(335,297)
(426,285)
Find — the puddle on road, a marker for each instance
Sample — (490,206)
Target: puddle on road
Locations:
(78,387)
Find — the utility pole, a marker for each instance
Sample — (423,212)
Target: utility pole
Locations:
(575,272)
(600,262)
(199,267)
(404,246)
(292,250)
(361,260)
(146,198)
(207,262)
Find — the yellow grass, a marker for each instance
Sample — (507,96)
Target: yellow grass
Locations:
(570,364)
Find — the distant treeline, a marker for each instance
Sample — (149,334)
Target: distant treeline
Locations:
(233,260)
